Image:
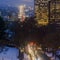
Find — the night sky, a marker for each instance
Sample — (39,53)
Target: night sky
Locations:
(16,3)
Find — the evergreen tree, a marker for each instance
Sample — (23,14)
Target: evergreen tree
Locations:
(2,26)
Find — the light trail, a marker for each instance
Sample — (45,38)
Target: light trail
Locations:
(33,53)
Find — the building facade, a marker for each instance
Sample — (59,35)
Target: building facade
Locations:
(54,13)
(21,13)
(47,11)
(41,12)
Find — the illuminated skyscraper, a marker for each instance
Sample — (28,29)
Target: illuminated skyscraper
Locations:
(47,11)
(54,11)
(41,12)
(21,14)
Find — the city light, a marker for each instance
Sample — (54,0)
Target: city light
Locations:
(41,12)
(31,29)
(21,14)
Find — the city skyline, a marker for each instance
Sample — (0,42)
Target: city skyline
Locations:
(16,3)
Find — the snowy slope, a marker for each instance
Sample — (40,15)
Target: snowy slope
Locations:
(9,53)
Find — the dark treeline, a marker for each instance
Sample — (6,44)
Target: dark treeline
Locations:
(17,33)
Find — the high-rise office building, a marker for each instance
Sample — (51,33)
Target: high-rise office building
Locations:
(54,13)
(41,12)
(48,12)
(21,13)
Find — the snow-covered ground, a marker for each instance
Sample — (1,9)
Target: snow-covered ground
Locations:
(52,57)
(9,53)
